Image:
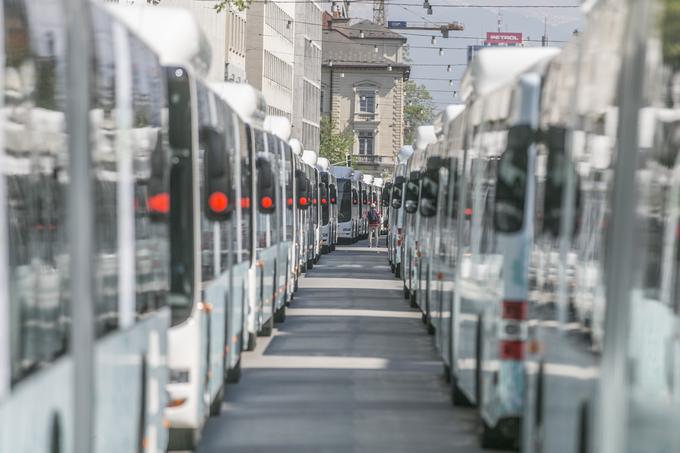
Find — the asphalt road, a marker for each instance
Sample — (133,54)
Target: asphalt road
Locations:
(351,370)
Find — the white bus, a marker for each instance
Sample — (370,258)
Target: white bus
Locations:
(128,164)
(202,134)
(395,213)
(347,208)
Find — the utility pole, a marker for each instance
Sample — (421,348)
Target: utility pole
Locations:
(379,12)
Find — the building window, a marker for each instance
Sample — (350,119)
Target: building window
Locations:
(366,140)
(367,102)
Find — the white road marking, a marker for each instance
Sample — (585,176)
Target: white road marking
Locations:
(351,312)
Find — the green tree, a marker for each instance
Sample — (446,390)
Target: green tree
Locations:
(224,5)
(334,145)
(418,109)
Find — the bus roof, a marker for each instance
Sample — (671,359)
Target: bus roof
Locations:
(404,153)
(342,172)
(309,157)
(425,135)
(322,164)
(443,119)
(173,33)
(296,146)
(495,66)
(248,102)
(279,126)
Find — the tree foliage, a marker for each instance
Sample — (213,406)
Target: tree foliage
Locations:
(334,145)
(418,109)
(224,5)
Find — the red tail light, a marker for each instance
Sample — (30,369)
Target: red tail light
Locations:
(513,329)
(314,201)
(266,202)
(303,201)
(245,203)
(323,201)
(468,212)
(512,350)
(159,203)
(218,202)
(332,200)
(514,309)
(290,202)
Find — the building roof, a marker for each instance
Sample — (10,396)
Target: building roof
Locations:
(371,30)
(346,52)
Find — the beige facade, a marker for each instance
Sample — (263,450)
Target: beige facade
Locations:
(235,66)
(362,85)
(307,74)
(270,50)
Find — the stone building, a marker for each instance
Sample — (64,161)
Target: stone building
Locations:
(270,51)
(307,74)
(235,65)
(362,87)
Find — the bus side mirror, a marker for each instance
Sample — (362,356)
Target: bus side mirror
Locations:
(323,195)
(511,181)
(385,195)
(217,173)
(158,188)
(301,186)
(428,193)
(397,195)
(266,186)
(333,194)
(411,197)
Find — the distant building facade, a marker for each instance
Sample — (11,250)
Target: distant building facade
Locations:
(362,86)
(235,64)
(307,74)
(270,51)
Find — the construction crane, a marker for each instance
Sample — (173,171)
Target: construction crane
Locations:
(379,12)
(444,29)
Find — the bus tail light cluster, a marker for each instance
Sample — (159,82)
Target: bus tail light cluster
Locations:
(398,237)
(513,332)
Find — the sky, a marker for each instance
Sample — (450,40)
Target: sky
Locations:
(477,20)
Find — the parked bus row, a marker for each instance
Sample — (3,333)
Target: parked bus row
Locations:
(174,210)
(536,228)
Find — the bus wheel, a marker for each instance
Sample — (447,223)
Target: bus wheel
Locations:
(234,374)
(252,341)
(397,270)
(458,398)
(310,264)
(502,436)
(430,328)
(295,288)
(183,439)
(412,299)
(268,327)
(280,315)
(216,405)
(447,373)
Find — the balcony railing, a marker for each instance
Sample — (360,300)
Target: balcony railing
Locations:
(373,159)
(365,116)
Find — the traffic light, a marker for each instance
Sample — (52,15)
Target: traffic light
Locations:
(349,159)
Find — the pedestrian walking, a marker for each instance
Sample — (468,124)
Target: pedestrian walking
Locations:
(373,226)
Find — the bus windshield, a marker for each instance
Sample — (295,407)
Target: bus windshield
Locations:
(345,200)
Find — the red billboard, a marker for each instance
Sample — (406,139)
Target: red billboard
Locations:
(496,37)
